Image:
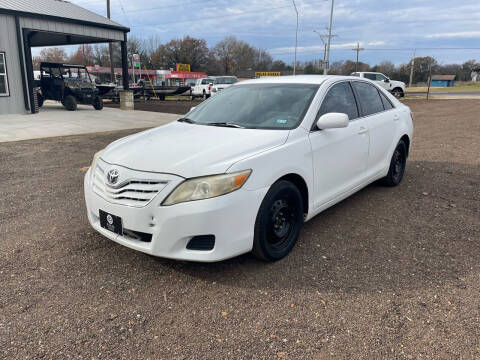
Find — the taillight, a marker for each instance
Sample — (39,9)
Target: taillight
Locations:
(209,87)
(411,115)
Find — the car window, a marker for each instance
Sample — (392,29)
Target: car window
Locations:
(387,105)
(225,80)
(257,106)
(369,98)
(205,81)
(370,76)
(340,99)
(380,77)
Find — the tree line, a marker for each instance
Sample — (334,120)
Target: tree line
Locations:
(231,55)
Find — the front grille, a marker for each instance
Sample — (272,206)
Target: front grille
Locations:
(131,192)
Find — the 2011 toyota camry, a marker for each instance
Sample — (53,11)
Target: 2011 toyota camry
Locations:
(245,169)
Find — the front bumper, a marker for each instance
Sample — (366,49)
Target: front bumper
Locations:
(230,218)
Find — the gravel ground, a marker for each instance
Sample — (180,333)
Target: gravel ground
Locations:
(386,274)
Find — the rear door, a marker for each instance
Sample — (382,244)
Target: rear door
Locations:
(381,118)
(339,155)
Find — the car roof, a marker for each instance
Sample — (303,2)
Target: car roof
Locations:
(298,79)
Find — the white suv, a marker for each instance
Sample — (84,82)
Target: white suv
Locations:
(397,88)
(202,87)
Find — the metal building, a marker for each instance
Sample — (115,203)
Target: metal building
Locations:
(37,23)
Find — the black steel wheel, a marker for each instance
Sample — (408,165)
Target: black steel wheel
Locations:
(398,93)
(279,222)
(70,103)
(397,165)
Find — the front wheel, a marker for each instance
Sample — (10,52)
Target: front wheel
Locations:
(279,222)
(98,103)
(397,165)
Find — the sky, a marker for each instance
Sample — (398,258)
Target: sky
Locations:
(387,29)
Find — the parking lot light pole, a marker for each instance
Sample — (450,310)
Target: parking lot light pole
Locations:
(296,40)
(327,57)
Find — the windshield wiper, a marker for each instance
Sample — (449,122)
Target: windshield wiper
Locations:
(226,124)
(187,120)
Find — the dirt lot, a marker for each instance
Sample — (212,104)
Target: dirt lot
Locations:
(388,273)
(168,106)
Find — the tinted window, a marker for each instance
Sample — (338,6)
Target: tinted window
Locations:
(387,105)
(369,98)
(370,76)
(379,77)
(206,81)
(340,99)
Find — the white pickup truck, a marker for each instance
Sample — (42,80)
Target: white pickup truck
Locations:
(202,88)
(397,88)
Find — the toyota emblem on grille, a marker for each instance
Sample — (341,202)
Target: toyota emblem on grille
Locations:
(112,176)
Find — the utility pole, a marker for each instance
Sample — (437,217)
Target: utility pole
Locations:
(411,70)
(110,49)
(327,56)
(357,49)
(323,37)
(296,40)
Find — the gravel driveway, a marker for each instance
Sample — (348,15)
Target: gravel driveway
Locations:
(386,274)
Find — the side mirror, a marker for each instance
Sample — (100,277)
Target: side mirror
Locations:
(97,81)
(332,121)
(387,80)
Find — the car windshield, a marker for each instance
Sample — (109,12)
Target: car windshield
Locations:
(256,106)
(225,80)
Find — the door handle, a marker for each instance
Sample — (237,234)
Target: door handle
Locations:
(362,130)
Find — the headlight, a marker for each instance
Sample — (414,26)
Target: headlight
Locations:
(96,156)
(207,187)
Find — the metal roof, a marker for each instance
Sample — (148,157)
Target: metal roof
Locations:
(59,9)
(444,77)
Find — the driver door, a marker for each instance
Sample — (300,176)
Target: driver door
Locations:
(340,156)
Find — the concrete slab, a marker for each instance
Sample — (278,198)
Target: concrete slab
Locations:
(54,120)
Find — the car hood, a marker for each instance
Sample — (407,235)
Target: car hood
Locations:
(190,150)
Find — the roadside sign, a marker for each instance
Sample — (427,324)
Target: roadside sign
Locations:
(183,67)
(267,73)
(136,61)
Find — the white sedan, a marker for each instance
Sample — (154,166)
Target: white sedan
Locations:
(245,169)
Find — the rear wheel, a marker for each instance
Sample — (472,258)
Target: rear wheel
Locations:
(204,95)
(98,103)
(397,165)
(397,92)
(279,222)
(70,103)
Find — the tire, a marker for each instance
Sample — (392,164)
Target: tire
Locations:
(397,165)
(398,93)
(98,103)
(204,95)
(70,103)
(279,222)
(39,100)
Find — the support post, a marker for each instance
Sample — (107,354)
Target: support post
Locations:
(110,49)
(123,46)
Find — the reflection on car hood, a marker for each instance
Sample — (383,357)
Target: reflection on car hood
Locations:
(190,150)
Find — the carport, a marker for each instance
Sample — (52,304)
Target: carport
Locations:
(40,23)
